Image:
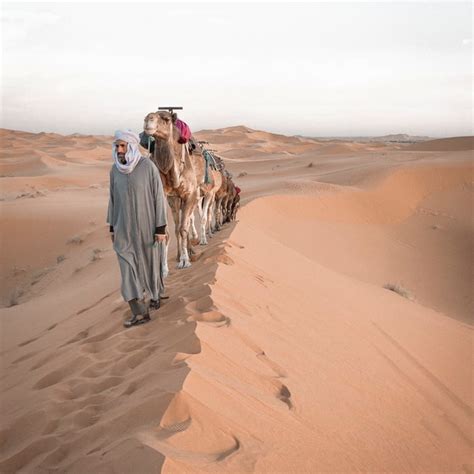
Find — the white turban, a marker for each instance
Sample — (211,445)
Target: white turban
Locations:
(133,154)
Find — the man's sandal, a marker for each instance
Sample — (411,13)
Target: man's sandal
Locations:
(136,321)
(154,305)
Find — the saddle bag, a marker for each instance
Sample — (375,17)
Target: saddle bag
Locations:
(184,131)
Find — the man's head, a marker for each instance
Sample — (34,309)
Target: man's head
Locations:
(121,149)
(126,150)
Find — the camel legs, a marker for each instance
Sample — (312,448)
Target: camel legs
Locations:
(234,211)
(193,219)
(187,208)
(199,206)
(208,198)
(218,214)
(164,255)
(228,210)
(210,215)
(175,205)
(225,210)
(194,233)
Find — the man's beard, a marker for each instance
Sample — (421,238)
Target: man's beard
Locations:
(121,157)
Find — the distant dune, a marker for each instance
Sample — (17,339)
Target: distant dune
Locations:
(392,138)
(445,144)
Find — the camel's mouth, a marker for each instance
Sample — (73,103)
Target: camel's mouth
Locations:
(149,131)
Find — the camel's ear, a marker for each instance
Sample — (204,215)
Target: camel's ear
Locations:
(174,117)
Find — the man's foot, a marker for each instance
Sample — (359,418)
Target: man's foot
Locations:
(154,305)
(137,320)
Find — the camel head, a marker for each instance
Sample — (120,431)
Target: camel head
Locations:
(159,125)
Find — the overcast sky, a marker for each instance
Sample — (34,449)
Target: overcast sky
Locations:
(317,69)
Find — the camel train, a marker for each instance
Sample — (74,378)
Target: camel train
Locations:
(194,178)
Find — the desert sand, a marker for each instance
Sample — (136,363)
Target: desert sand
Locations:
(329,329)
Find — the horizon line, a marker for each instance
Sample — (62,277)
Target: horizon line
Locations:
(255,130)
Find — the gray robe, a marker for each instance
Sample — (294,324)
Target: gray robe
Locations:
(137,206)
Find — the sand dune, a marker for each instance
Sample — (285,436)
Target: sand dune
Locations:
(38,154)
(244,143)
(341,148)
(444,144)
(329,329)
(33,164)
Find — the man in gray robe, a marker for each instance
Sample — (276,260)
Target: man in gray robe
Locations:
(137,219)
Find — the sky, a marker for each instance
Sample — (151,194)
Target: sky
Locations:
(314,69)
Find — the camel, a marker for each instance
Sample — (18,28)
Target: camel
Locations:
(233,203)
(207,203)
(221,200)
(228,200)
(182,176)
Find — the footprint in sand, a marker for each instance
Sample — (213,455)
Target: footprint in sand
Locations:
(196,291)
(78,388)
(285,396)
(62,373)
(78,337)
(95,370)
(212,318)
(94,348)
(87,416)
(134,360)
(72,389)
(180,425)
(107,383)
(29,341)
(228,444)
(132,388)
(129,346)
(100,337)
(25,357)
(204,303)
(45,360)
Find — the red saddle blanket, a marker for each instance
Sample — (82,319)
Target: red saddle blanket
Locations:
(184,131)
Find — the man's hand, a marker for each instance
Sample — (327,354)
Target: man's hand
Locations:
(112,237)
(160,237)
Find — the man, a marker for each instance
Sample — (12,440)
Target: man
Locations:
(137,219)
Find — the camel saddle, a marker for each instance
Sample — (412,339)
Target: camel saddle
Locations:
(184,131)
